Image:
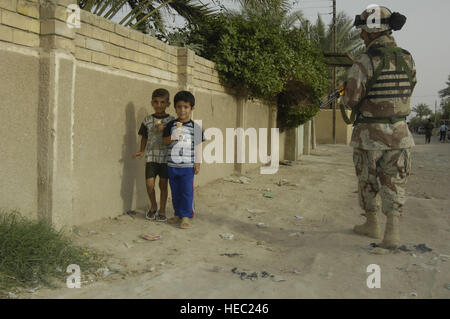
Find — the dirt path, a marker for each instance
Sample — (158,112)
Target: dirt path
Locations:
(314,256)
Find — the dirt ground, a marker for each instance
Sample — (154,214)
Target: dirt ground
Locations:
(313,255)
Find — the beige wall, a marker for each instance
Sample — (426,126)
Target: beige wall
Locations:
(104,137)
(19,69)
(72,103)
(215,111)
(19,96)
(324,128)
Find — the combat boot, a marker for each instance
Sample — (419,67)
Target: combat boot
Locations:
(391,238)
(370,228)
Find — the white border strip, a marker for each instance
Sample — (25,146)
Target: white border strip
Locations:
(16,48)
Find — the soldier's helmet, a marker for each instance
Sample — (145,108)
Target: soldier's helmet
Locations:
(378,19)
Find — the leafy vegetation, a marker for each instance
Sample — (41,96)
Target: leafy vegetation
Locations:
(34,253)
(445,93)
(263,50)
(146,16)
(422,110)
(347,40)
(256,54)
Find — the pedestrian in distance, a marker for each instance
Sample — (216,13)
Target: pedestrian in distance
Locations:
(443,132)
(428,131)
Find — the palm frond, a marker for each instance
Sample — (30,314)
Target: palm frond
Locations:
(188,9)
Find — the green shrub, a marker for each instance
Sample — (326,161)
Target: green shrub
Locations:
(257,56)
(34,253)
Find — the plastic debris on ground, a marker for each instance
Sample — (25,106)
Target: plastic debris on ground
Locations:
(240,180)
(296,234)
(104,272)
(254,275)
(285,182)
(226,236)
(255,211)
(278,279)
(150,237)
(231,255)
(286,163)
(268,195)
(261,225)
(423,248)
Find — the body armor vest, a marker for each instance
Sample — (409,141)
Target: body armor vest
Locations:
(388,91)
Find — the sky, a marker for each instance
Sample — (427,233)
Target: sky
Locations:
(424,35)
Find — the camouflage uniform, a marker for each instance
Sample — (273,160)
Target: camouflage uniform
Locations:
(381,150)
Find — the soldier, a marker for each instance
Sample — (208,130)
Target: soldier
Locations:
(378,90)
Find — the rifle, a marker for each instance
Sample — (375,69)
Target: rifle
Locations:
(334,95)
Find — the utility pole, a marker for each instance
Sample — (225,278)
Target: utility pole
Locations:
(334,70)
(435,118)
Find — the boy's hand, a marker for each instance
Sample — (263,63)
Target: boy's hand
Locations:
(196,168)
(138,154)
(176,134)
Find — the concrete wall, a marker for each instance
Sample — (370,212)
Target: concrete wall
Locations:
(72,103)
(19,69)
(324,128)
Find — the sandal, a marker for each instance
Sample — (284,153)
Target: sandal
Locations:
(150,237)
(185,224)
(161,218)
(174,220)
(150,214)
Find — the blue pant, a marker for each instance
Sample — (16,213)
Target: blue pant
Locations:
(182,186)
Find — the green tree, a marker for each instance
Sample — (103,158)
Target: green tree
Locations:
(146,15)
(347,40)
(445,93)
(415,123)
(422,110)
(347,37)
(261,52)
(445,107)
(445,102)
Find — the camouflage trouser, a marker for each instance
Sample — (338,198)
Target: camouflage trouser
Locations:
(382,172)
